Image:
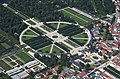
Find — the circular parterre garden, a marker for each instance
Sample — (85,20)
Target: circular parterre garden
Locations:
(53,40)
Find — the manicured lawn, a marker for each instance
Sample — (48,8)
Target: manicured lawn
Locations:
(11,9)
(81,41)
(26,38)
(79,15)
(24,57)
(29,32)
(54,25)
(81,19)
(56,50)
(4,65)
(81,36)
(31,22)
(71,43)
(76,18)
(63,25)
(47,28)
(46,49)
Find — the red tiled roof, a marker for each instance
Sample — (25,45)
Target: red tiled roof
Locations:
(114,59)
(103,52)
(103,74)
(82,74)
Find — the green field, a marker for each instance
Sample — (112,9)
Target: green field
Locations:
(46,49)
(82,41)
(54,25)
(56,50)
(62,25)
(26,37)
(26,58)
(72,43)
(81,36)
(81,19)
(31,22)
(4,65)
(29,32)
(79,15)
(30,35)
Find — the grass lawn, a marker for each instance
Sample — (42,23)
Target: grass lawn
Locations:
(9,8)
(63,25)
(81,36)
(71,43)
(31,22)
(40,30)
(47,28)
(54,25)
(56,50)
(82,41)
(74,17)
(79,15)
(24,57)
(46,49)
(4,65)
(26,37)
(81,19)
(29,32)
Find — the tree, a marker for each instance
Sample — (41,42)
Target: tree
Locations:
(87,66)
(55,77)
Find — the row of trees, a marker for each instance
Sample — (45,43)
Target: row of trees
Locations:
(53,60)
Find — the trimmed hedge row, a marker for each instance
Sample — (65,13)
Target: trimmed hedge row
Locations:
(38,42)
(63,47)
(111,72)
(81,44)
(70,30)
(37,31)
